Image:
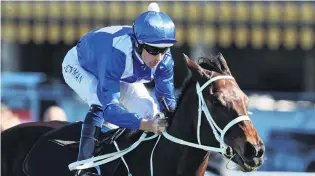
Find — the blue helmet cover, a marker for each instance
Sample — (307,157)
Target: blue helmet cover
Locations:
(154,28)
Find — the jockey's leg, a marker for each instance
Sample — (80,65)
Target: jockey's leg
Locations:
(81,81)
(91,130)
(85,85)
(136,98)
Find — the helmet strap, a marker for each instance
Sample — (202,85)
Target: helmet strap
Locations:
(139,48)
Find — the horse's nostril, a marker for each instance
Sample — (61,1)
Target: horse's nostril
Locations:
(260,153)
(250,150)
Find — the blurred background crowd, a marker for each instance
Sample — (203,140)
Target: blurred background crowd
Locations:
(269,47)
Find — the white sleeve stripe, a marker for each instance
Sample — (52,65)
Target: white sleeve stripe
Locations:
(123,43)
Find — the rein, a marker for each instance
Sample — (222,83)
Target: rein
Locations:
(224,148)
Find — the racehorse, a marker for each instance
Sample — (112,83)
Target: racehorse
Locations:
(211,115)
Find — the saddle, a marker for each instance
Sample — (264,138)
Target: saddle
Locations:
(55,150)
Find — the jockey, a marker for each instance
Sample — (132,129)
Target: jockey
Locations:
(107,69)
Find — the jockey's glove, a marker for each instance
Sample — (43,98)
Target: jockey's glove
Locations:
(156,125)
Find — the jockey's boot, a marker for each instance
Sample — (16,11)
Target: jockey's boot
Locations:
(91,130)
(88,140)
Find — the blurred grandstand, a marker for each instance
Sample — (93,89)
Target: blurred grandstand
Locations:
(269,47)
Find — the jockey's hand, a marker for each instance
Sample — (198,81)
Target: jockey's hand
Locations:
(156,125)
(160,123)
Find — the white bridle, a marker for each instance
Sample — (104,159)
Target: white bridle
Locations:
(99,160)
(215,128)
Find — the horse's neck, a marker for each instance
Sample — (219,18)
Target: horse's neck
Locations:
(183,160)
(183,122)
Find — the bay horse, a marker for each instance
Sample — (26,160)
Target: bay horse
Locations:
(211,115)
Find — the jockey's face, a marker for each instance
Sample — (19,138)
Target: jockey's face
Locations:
(152,56)
(151,60)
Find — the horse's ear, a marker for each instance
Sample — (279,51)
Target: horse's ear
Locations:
(181,70)
(196,71)
(223,64)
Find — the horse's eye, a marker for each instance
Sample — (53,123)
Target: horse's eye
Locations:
(215,100)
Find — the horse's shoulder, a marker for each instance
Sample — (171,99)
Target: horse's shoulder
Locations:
(119,135)
(123,137)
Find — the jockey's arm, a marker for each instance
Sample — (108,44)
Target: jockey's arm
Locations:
(164,83)
(108,92)
(116,114)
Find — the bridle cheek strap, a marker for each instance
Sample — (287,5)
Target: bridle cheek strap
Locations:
(215,128)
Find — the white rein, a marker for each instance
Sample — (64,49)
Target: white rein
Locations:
(99,160)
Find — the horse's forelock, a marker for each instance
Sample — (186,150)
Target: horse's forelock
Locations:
(212,63)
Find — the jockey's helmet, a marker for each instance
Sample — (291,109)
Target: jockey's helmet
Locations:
(154,28)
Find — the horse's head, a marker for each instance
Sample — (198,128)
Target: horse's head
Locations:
(227,106)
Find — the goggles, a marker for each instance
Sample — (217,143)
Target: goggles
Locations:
(154,50)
